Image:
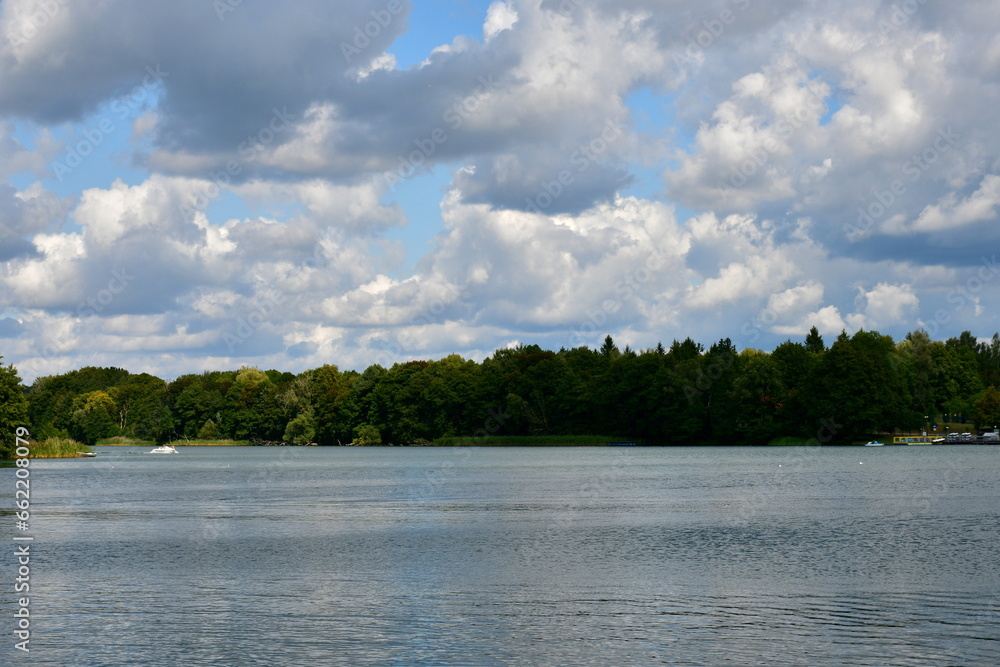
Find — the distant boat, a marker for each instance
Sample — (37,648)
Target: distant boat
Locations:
(913,440)
(164,449)
(88,455)
(874,443)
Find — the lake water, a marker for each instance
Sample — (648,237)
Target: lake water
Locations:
(514,556)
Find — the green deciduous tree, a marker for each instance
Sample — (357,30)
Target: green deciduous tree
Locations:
(400,406)
(988,358)
(13,409)
(760,399)
(94,417)
(327,390)
(986,413)
(252,407)
(51,399)
(449,396)
(208,431)
(858,385)
(301,429)
(368,434)
(680,395)
(139,403)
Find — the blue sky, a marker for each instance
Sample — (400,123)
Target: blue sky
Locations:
(578,170)
(429,26)
(437,22)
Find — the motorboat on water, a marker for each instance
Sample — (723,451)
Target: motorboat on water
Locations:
(164,449)
(874,443)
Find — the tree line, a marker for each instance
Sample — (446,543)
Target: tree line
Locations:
(861,384)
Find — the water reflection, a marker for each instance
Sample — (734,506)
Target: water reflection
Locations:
(507,556)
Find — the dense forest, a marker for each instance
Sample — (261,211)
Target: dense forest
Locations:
(684,394)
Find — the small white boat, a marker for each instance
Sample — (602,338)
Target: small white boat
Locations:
(874,443)
(164,449)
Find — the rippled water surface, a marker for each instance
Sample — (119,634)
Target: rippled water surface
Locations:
(497,556)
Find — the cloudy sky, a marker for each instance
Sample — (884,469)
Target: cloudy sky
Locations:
(195,184)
